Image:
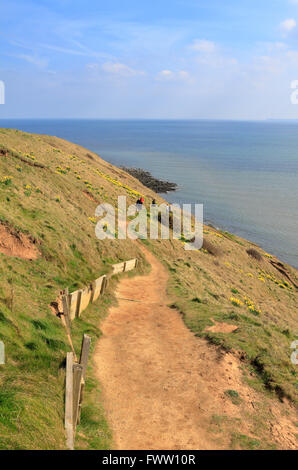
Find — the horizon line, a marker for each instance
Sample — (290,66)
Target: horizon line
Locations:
(145,119)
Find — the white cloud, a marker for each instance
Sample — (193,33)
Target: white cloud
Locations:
(123,70)
(39,62)
(288,25)
(293,56)
(169,75)
(280,45)
(209,54)
(166,74)
(92,66)
(183,74)
(216,61)
(203,45)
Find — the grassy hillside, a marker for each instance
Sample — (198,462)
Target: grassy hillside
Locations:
(49,189)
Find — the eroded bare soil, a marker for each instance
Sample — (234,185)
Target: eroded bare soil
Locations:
(17,244)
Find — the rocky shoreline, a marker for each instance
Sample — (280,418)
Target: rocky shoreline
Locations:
(145,177)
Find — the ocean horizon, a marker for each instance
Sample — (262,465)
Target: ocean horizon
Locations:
(244,172)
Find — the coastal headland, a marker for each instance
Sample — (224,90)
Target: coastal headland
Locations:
(235,304)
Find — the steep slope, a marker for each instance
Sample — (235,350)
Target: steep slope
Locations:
(49,189)
(166,389)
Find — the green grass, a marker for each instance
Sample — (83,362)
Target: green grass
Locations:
(234,396)
(55,212)
(245,442)
(71,256)
(266,348)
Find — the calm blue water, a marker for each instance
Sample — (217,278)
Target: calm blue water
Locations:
(245,173)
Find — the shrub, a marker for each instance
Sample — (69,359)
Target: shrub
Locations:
(232,393)
(234,396)
(254,254)
(212,249)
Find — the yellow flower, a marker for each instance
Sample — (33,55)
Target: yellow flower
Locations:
(6,180)
(236,302)
(61,171)
(254,310)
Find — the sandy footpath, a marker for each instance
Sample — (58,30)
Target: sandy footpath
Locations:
(161,384)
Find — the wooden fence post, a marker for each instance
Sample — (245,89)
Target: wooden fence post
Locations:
(92,287)
(84,353)
(65,304)
(80,402)
(124,266)
(104,285)
(83,361)
(78,303)
(69,402)
(77,385)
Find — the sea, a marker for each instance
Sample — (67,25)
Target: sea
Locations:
(244,173)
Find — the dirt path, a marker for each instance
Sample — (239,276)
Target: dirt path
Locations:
(162,386)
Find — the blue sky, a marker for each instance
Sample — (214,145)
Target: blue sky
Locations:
(215,59)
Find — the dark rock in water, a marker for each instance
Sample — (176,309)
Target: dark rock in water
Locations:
(148,180)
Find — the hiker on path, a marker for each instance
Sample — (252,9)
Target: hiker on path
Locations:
(140,203)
